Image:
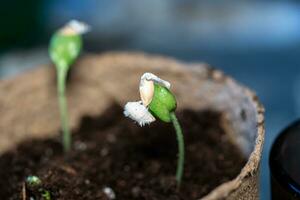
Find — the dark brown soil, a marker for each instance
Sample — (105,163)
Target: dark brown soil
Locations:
(111,151)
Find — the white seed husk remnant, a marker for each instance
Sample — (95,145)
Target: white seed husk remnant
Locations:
(138,112)
(75,27)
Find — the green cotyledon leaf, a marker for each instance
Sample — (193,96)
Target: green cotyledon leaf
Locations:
(64,49)
(163,102)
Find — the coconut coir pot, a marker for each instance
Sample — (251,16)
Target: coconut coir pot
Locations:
(223,123)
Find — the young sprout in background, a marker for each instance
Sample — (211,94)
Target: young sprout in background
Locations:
(34,182)
(65,46)
(157,100)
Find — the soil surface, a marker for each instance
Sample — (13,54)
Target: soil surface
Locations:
(113,157)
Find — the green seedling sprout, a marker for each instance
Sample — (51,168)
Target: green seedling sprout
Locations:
(157,101)
(46,195)
(33,181)
(65,46)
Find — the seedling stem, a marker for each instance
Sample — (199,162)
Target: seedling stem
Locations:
(61,87)
(180,140)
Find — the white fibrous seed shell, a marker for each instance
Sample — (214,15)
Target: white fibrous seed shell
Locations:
(138,112)
(75,27)
(146,91)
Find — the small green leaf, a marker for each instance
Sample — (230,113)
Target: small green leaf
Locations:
(64,49)
(33,181)
(163,102)
(46,195)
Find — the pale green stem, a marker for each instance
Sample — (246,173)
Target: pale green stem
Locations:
(180,140)
(61,87)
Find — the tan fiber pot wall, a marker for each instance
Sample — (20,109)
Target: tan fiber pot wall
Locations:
(28,104)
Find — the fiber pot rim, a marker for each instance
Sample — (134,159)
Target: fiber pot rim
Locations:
(252,165)
(222,191)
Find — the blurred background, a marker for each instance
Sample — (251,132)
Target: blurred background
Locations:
(256,42)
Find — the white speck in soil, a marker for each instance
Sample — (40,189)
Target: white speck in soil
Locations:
(109,193)
(104,152)
(135,191)
(87,181)
(80,146)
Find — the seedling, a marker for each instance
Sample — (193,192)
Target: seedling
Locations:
(157,101)
(46,195)
(65,46)
(33,181)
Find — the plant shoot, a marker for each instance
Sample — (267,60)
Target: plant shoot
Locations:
(157,101)
(65,46)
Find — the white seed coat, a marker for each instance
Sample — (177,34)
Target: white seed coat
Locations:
(75,27)
(146,91)
(151,77)
(138,112)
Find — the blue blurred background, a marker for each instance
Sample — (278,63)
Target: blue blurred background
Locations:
(256,42)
